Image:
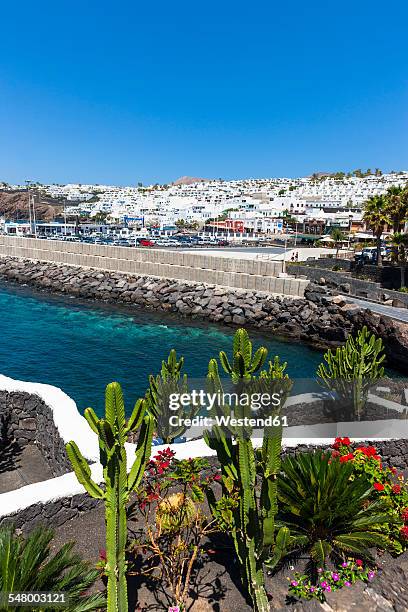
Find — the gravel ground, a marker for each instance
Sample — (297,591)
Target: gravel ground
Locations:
(217,581)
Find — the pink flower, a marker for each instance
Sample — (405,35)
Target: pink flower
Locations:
(371,575)
(294,583)
(347,583)
(174,609)
(335,577)
(312,589)
(344,564)
(328,588)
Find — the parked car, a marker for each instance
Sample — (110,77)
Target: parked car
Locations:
(146,242)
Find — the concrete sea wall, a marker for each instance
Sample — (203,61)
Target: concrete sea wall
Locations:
(253,274)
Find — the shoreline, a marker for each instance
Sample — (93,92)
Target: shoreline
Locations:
(318,320)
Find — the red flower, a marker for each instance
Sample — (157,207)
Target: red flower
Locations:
(394,470)
(217,477)
(404,515)
(404,532)
(359,562)
(102,554)
(378,486)
(335,453)
(368,451)
(341,442)
(345,458)
(396,489)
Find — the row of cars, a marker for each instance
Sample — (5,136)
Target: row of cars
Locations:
(153,241)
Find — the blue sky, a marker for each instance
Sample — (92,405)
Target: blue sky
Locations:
(121,92)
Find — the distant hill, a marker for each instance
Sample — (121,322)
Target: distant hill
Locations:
(188,180)
(14,206)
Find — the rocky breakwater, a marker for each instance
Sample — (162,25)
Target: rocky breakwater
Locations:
(319,318)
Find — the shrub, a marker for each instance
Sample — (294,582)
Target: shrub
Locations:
(329,514)
(351,370)
(26,564)
(388,485)
(171,503)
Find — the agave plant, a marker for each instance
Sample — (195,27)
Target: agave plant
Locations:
(329,515)
(26,565)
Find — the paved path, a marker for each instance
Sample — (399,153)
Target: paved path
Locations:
(23,468)
(400,314)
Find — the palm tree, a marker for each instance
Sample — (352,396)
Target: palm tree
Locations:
(400,255)
(338,236)
(27,565)
(376,218)
(397,206)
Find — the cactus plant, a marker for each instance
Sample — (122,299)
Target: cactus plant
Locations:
(247,515)
(161,387)
(351,369)
(112,432)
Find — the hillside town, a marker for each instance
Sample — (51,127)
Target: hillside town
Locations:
(312,205)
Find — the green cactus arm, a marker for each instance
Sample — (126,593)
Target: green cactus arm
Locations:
(281,548)
(107,437)
(92,419)
(225,364)
(136,417)
(83,471)
(216,440)
(143,452)
(115,409)
(242,344)
(259,359)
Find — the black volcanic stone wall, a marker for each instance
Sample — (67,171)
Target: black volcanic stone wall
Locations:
(26,420)
(52,514)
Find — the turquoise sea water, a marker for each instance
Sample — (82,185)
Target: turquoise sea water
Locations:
(81,347)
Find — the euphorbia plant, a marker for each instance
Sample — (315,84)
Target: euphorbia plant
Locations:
(243,511)
(351,370)
(112,432)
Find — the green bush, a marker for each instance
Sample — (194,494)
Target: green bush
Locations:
(26,564)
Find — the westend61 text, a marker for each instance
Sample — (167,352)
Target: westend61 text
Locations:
(229,421)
